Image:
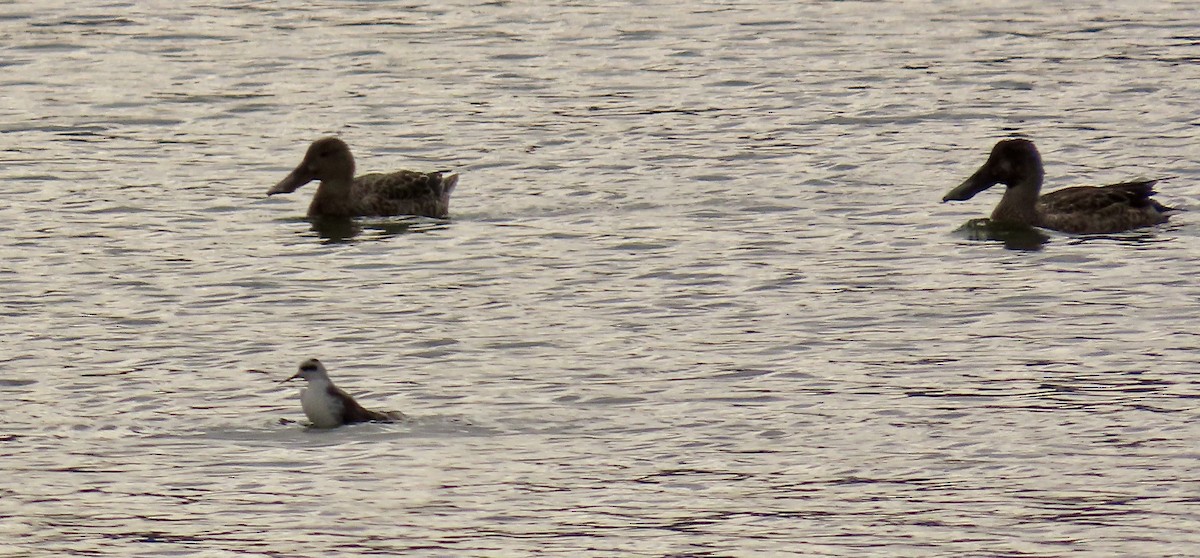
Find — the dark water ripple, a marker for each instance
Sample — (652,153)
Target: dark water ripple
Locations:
(697,297)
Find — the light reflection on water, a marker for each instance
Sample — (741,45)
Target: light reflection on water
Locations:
(697,295)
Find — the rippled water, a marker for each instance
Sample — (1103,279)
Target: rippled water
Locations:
(697,296)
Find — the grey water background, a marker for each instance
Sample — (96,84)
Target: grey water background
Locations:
(697,296)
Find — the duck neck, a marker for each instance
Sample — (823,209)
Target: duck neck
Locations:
(333,198)
(1019,204)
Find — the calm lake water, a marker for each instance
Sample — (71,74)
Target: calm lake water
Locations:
(697,296)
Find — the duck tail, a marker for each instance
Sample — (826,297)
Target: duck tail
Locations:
(449,182)
(1165,210)
(1138,193)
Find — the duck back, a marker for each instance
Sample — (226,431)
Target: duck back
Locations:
(1102,209)
(404,193)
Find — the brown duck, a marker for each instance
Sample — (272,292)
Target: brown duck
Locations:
(342,195)
(1016,164)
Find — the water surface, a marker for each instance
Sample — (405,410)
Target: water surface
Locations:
(697,296)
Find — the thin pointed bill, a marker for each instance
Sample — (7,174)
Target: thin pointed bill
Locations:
(978,182)
(297,178)
(293,377)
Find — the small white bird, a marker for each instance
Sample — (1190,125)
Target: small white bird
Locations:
(327,406)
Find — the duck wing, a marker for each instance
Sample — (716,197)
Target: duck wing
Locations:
(1102,209)
(405,193)
(1079,199)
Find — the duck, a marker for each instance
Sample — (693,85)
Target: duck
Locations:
(327,406)
(342,195)
(1017,164)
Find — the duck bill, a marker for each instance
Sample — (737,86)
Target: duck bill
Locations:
(297,178)
(978,182)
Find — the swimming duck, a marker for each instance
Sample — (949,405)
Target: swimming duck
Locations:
(327,406)
(340,194)
(1078,209)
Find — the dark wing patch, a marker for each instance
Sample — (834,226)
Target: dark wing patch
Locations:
(1099,198)
(352,412)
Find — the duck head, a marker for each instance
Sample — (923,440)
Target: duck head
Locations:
(310,370)
(1012,162)
(326,159)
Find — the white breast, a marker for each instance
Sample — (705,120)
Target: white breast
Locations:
(321,409)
